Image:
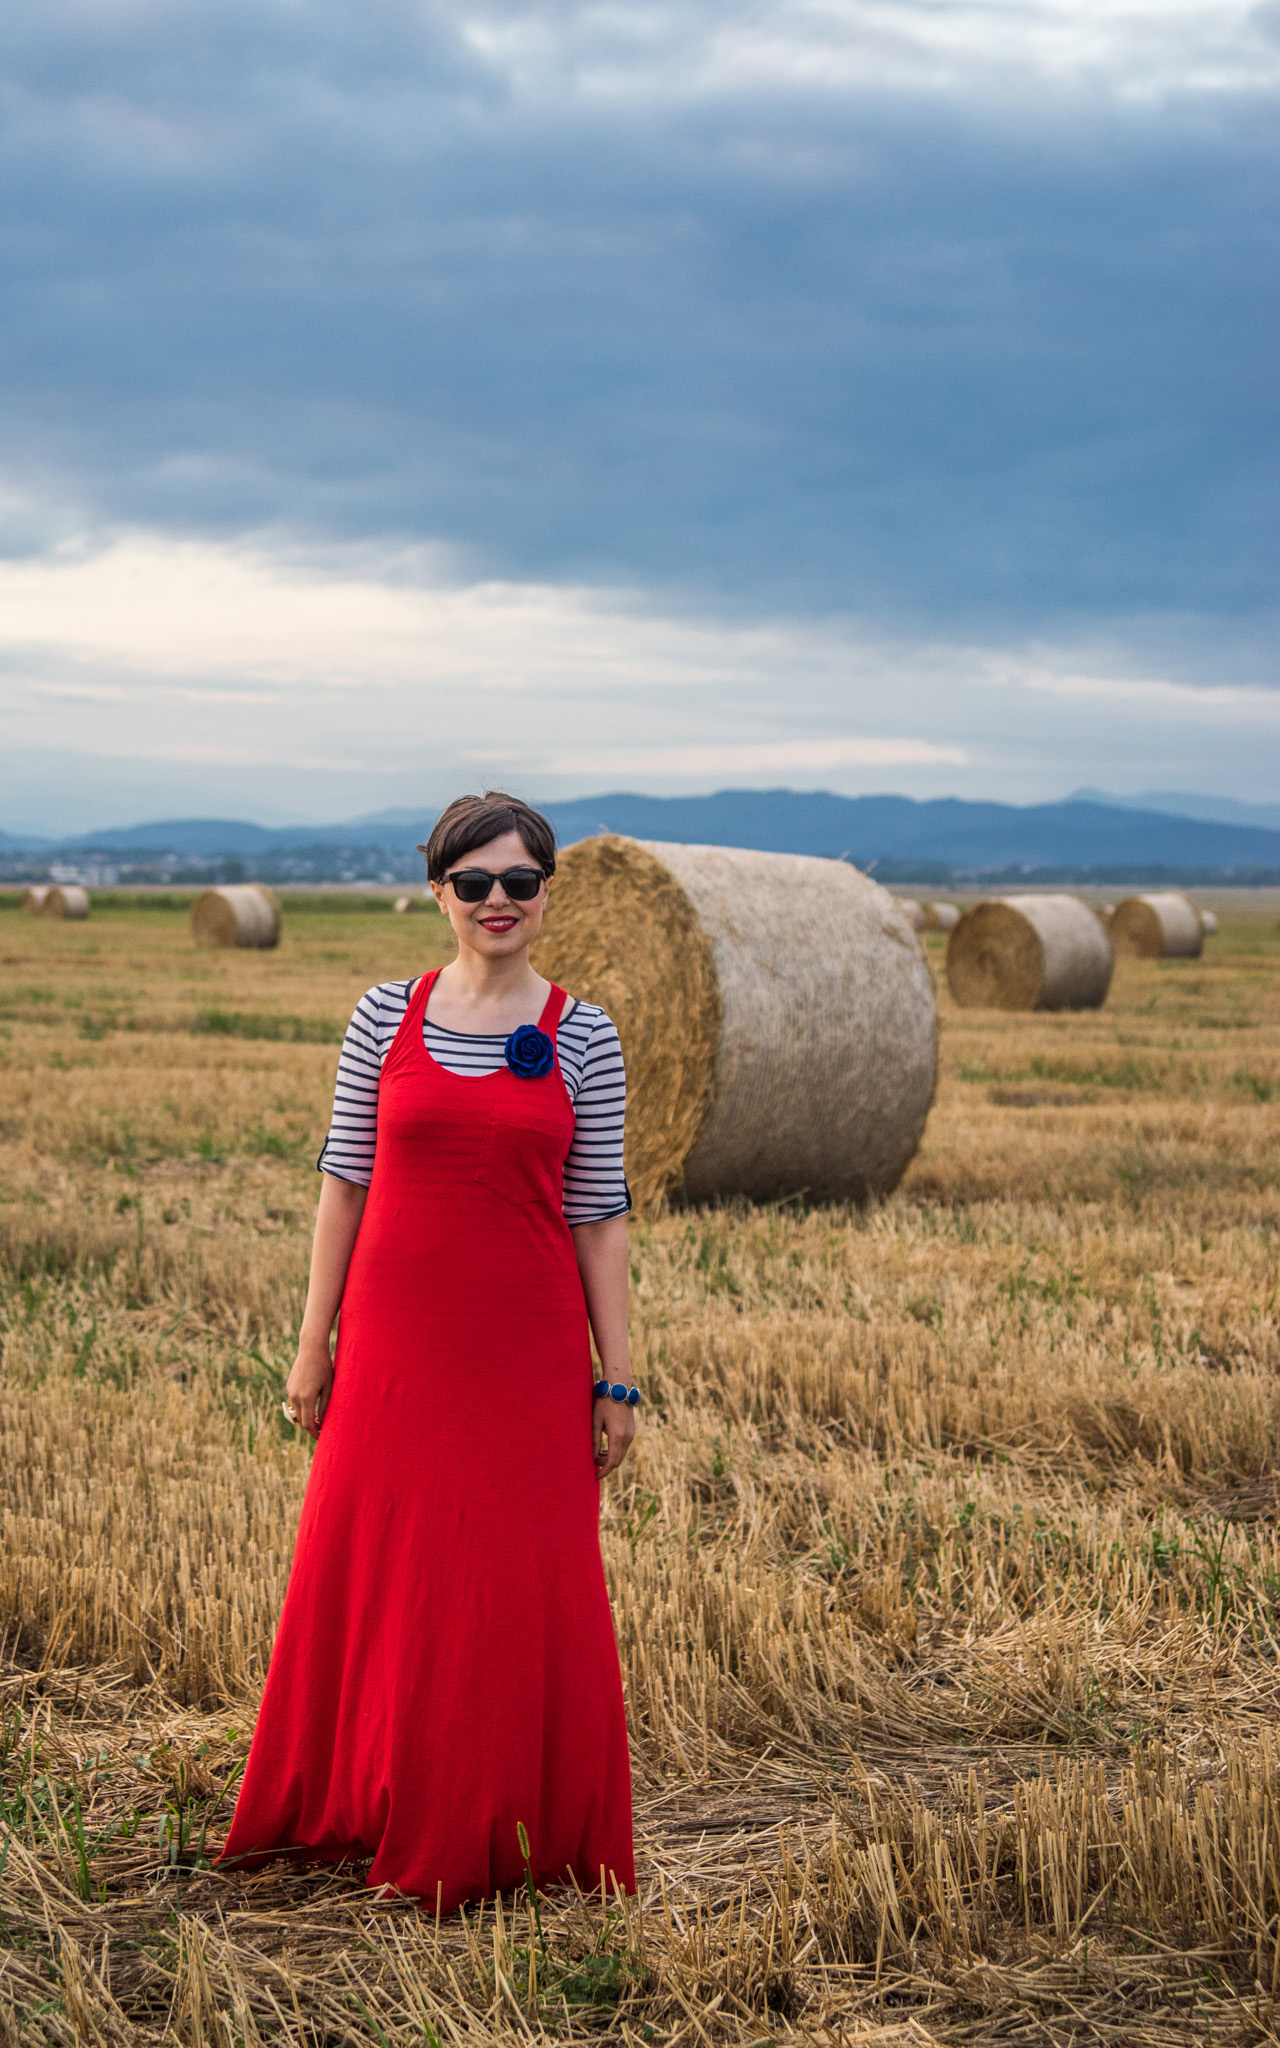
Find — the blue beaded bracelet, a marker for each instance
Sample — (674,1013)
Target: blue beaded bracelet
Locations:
(617,1392)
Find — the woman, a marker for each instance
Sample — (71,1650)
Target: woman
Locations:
(445,1671)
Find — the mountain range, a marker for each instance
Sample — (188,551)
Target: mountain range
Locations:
(946,830)
(1089,833)
(1182,803)
(904,838)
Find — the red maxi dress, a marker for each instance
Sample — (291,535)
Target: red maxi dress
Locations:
(446,1667)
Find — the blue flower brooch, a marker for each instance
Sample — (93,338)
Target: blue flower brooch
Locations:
(530,1053)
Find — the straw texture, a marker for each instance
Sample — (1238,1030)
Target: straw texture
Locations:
(62,900)
(242,914)
(776,1013)
(1029,953)
(33,898)
(620,931)
(1162,926)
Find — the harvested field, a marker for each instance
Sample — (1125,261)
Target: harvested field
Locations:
(945,1571)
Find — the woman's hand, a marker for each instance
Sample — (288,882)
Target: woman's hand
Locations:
(613,1428)
(307,1388)
(602,1261)
(337,1225)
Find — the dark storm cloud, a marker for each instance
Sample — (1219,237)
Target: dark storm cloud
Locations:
(961,358)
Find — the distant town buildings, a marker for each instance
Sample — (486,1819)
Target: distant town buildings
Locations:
(90,874)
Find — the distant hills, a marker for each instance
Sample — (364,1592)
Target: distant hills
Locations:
(1181,803)
(945,831)
(1089,836)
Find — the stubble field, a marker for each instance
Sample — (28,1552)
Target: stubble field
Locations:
(944,1571)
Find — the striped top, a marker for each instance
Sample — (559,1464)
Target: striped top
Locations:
(595,1186)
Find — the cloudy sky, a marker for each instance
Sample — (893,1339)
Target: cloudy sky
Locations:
(862,394)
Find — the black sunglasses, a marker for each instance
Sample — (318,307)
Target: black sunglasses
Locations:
(472,885)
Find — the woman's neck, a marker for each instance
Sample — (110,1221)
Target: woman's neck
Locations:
(471,983)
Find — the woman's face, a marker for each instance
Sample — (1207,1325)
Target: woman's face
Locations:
(497,927)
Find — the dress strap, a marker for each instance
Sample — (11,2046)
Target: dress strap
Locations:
(550,1018)
(411,1031)
(421,996)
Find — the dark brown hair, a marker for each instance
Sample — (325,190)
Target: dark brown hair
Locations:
(471,821)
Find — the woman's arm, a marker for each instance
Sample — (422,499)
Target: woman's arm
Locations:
(337,1221)
(605,1270)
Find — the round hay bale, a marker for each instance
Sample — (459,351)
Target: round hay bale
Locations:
(33,898)
(912,911)
(1209,923)
(776,1013)
(1029,953)
(65,899)
(940,917)
(1162,926)
(240,914)
(405,905)
(1104,912)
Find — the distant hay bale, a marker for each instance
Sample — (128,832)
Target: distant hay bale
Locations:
(776,1013)
(940,917)
(239,914)
(913,912)
(1162,926)
(1104,912)
(59,899)
(33,898)
(1029,953)
(1209,923)
(404,905)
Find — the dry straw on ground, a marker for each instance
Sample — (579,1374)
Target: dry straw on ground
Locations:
(776,1014)
(239,914)
(1165,925)
(945,1568)
(1029,953)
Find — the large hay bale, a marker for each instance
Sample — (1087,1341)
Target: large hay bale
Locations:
(1165,925)
(940,917)
(239,914)
(33,898)
(1029,953)
(64,899)
(1209,923)
(776,1013)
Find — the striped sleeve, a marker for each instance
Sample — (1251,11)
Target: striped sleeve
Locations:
(595,1185)
(347,1152)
